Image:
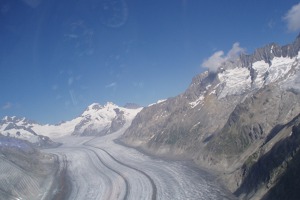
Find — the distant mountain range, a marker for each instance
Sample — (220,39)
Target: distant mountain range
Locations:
(95,120)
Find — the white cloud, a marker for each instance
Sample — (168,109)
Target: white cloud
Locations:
(292,18)
(7,106)
(235,51)
(113,84)
(216,60)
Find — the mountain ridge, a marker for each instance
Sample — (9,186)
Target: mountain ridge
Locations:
(96,119)
(268,52)
(224,118)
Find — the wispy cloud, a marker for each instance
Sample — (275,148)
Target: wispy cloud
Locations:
(292,18)
(7,106)
(113,84)
(214,61)
(71,36)
(219,57)
(271,24)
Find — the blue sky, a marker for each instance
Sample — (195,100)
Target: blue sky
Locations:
(59,56)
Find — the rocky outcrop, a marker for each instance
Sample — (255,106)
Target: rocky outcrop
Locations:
(270,51)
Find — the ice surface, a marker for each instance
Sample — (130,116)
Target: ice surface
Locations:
(293,83)
(101,169)
(234,81)
(280,66)
(261,67)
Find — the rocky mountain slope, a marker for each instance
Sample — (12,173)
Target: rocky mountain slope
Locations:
(95,120)
(231,120)
(27,173)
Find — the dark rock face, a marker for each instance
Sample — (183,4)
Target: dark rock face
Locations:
(87,131)
(230,120)
(12,124)
(118,122)
(279,167)
(253,120)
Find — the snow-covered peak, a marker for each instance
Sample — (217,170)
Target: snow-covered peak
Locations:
(110,104)
(15,119)
(95,120)
(98,120)
(94,106)
(97,108)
